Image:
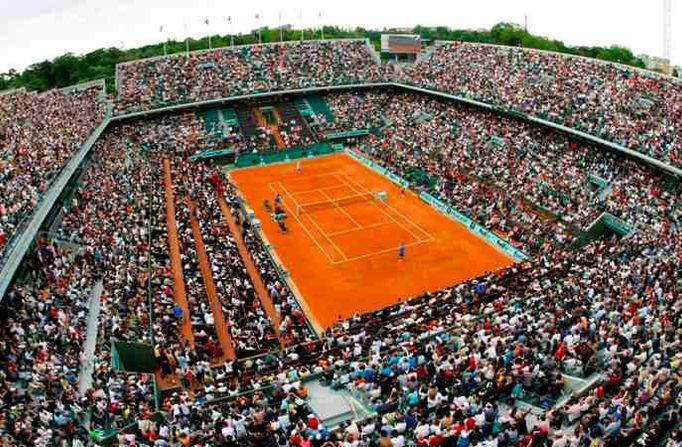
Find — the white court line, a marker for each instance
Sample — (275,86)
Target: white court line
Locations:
(380,252)
(348,183)
(317,225)
(303,178)
(305,228)
(366,227)
(429,237)
(308,191)
(357,224)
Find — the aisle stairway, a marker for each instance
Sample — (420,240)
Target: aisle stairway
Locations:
(288,112)
(335,406)
(211,293)
(274,130)
(247,121)
(179,291)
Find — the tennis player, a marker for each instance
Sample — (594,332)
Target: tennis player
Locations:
(298,167)
(401,251)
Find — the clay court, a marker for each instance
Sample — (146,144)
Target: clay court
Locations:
(341,249)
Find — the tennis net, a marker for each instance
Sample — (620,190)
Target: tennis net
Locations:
(335,203)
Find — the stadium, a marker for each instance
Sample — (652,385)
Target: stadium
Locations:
(332,242)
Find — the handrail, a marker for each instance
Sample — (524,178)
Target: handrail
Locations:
(13,258)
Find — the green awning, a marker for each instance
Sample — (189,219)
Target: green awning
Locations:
(211,154)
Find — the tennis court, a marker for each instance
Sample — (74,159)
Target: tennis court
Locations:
(345,223)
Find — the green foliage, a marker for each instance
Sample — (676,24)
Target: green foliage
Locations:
(71,69)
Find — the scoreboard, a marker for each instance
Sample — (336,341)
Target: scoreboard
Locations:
(401,43)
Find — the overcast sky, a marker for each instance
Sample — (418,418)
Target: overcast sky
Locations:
(35,30)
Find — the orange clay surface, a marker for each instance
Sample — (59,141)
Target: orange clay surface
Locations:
(342,246)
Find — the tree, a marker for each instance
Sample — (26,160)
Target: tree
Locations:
(71,69)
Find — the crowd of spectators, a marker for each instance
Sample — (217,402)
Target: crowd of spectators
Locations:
(634,108)
(38,135)
(250,328)
(234,71)
(293,324)
(532,185)
(457,367)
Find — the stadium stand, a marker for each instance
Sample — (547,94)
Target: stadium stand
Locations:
(38,135)
(225,72)
(633,108)
(572,347)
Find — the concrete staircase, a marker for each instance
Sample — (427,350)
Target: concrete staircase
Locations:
(247,121)
(335,406)
(288,113)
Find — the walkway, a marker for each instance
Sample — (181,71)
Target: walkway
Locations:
(88,354)
(179,293)
(209,285)
(256,280)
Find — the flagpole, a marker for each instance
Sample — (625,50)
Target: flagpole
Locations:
(229,20)
(319,19)
(186,39)
(281,34)
(300,23)
(208,25)
(164,41)
(258,25)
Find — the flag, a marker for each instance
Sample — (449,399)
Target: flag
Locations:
(257,16)
(161,29)
(229,19)
(206,21)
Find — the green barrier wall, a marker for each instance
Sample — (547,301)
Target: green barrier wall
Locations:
(473,226)
(348,134)
(133,357)
(212,154)
(598,228)
(245,160)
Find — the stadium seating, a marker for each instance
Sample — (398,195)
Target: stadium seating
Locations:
(492,361)
(633,108)
(38,135)
(225,72)
(469,150)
